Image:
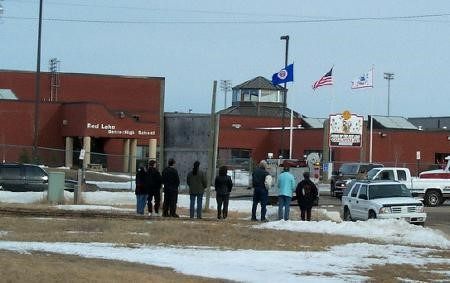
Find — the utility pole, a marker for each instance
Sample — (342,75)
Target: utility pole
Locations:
(37,98)
(211,148)
(389,77)
(225,86)
(286,38)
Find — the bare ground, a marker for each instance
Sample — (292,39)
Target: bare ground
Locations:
(42,223)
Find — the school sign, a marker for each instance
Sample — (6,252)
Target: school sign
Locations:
(346,130)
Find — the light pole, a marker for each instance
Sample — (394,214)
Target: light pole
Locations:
(389,77)
(286,38)
(38,85)
(225,86)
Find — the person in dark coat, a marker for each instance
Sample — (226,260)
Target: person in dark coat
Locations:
(223,186)
(306,196)
(260,193)
(171,181)
(154,187)
(196,181)
(140,191)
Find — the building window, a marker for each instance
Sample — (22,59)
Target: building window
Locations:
(249,95)
(269,96)
(236,94)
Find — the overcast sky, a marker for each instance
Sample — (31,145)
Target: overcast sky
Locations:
(188,43)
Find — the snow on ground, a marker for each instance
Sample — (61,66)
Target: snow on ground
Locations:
(240,178)
(387,230)
(130,185)
(390,231)
(93,207)
(251,265)
(248,265)
(23,197)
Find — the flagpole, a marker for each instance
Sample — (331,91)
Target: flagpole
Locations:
(284,105)
(290,134)
(371,122)
(331,112)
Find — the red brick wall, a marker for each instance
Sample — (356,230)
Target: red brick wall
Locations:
(82,98)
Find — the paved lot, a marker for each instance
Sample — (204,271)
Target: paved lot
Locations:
(437,217)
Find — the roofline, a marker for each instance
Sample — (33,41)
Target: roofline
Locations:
(84,74)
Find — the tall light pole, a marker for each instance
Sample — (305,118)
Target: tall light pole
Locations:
(286,38)
(225,86)
(38,85)
(389,77)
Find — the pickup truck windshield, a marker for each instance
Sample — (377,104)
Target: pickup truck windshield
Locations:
(388,191)
(349,169)
(371,174)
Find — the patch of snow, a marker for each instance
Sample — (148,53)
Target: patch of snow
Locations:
(249,265)
(387,230)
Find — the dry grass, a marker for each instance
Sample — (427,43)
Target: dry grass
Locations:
(46,267)
(43,223)
(230,234)
(395,272)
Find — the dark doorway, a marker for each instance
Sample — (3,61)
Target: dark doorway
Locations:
(98,155)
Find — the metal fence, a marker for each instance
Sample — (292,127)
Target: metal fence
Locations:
(106,170)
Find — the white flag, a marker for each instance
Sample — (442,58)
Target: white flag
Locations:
(365,80)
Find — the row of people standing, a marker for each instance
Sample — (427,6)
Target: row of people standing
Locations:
(148,189)
(149,182)
(306,192)
(148,186)
(196,181)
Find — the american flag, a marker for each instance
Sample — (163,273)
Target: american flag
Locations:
(327,79)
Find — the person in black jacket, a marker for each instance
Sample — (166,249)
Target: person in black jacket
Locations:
(260,193)
(223,186)
(171,181)
(153,183)
(306,196)
(140,191)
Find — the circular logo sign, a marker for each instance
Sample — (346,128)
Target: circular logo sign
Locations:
(282,74)
(346,115)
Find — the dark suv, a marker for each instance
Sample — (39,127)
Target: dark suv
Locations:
(347,173)
(23,177)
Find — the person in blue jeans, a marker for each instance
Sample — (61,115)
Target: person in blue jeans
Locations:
(260,193)
(196,181)
(286,187)
(141,191)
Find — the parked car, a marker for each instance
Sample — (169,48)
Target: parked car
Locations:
(348,172)
(26,177)
(383,200)
(434,191)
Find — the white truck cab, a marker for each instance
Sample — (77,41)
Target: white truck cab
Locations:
(433,191)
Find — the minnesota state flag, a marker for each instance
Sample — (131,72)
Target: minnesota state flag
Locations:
(284,75)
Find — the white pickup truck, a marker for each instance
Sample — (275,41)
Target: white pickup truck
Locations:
(433,191)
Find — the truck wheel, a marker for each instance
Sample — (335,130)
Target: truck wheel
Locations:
(372,215)
(347,215)
(433,198)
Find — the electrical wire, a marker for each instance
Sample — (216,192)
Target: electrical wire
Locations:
(284,21)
